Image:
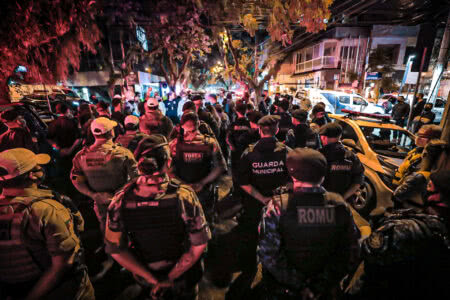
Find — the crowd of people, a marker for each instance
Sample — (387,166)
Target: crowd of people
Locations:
(157,172)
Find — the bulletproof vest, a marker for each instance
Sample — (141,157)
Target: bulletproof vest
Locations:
(236,133)
(17,263)
(103,169)
(339,176)
(284,126)
(194,161)
(151,123)
(312,230)
(268,165)
(125,139)
(159,222)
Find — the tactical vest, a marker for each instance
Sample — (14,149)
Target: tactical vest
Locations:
(339,177)
(103,169)
(151,123)
(312,231)
(409,165)
(155,226)
(125,139)
(17,263)
(194,161)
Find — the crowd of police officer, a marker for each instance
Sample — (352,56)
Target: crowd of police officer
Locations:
(162,193)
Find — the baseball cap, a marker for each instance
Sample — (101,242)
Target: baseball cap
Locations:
(430,131)
(131,119)
(306,164)
(19,161)
(197,98)
(269,120)
(117,96)
(331,130)
(102,125)
(300,114)
(152,102)
(284,104)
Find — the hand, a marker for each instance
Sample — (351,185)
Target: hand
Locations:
(102,197)
(197,187)
(158,288)
(273,207)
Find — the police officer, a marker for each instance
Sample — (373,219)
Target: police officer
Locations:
(345,172)
(196,160)
(153,121)
(156,227)
(203,127)
(302,135)
(308,236)
(262,169)
(205,115)
(285,119)
(132,136)
(239,127)
(40,252)
(427,134)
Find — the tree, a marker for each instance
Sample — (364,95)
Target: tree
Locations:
(46,37)
(380,60)
(176,35)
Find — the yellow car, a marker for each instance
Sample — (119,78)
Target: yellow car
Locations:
(372,138)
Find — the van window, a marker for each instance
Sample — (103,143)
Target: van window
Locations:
(330,97)
(344,99)
(358,101)
(439,103)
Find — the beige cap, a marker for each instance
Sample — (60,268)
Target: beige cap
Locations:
(18,161)
(131,119)
(152,102)
(102,125)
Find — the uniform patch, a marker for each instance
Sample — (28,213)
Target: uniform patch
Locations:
(147,203)
(376,240)
(268,167)
(192,156)
(316,216)
(340,167)
(95,159)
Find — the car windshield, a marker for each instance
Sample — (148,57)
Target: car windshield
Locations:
(389,142)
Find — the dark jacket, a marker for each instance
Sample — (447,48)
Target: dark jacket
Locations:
(400,111)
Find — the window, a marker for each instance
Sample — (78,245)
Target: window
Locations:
(348,132)
(391,52)
(345,52)
(439,103)
(358,101)
(344,99)
(316,51)
(330,49)
(308,54)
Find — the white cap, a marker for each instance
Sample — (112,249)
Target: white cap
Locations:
(102,125)
(131,119)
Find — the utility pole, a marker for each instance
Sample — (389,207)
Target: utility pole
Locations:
(411,105)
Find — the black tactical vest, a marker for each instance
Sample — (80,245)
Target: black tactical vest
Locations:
(155,227)
(339,173)
(193,161)
(312,231)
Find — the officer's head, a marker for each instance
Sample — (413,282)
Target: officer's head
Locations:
(428,107)
(212,98)
(427,133)
(117,103)
(152,155)
(102,128)
(401,99)
(268,125)
(103,108)
(318,111)
(306,166)
(151,105)
(20,168)
(62,108)
(283,106)
(241,109)
(188,106)
(254,117)
(131,123)
(330,133)
(198,101)
(299,116)
(189,122)
(10,118)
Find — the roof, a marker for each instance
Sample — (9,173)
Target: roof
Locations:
(367,122)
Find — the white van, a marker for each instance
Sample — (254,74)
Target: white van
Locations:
(336,101)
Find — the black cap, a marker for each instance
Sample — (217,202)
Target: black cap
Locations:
(441,181)
(284,104)
(306,165)
(149,160)
(9,115)
(189,116)
(331,130)
(300,114)
(197,98)
(254,116)
(269,120)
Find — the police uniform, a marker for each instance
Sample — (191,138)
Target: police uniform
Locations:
(313,241)
(344,167)
(159,230)
(34,227)
(238,128)
(106,168)
(263,166)
(302,135)
(193,160)
(155,123)
(285,124)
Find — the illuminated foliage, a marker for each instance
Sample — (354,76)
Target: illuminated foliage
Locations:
(46,37)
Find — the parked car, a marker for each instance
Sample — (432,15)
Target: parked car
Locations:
(336,101)
(371,137)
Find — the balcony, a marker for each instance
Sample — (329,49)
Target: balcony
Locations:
(317,64)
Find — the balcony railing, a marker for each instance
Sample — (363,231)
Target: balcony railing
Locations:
(317,63)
